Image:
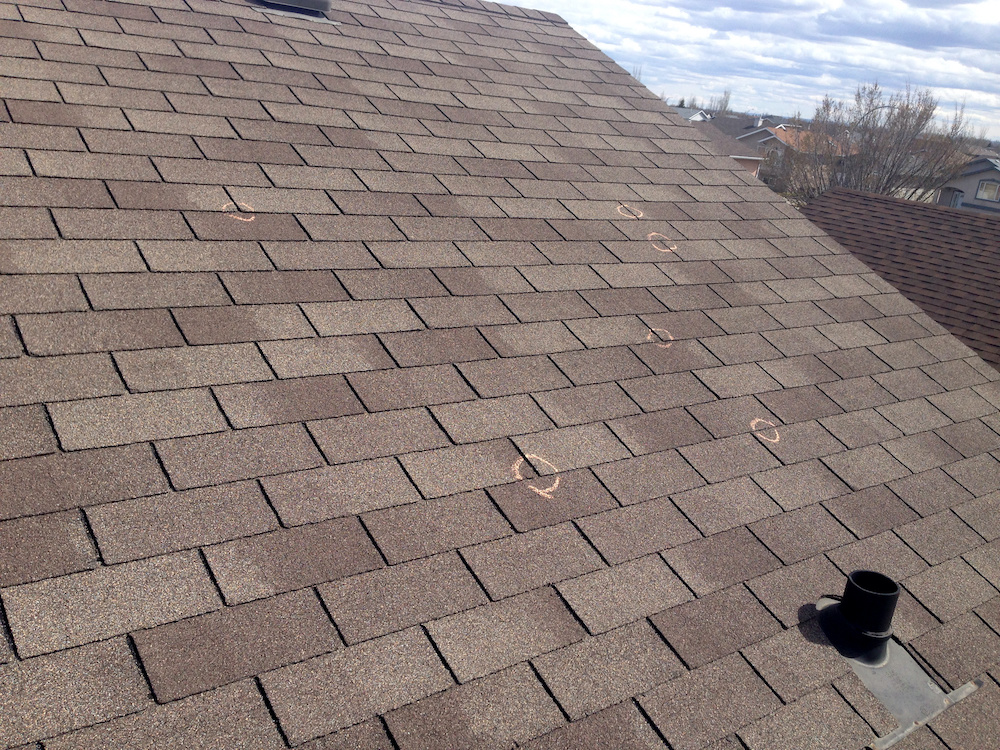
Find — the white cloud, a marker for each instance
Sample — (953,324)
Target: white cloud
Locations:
(783,56)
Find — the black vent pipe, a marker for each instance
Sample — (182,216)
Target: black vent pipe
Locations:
(860,626)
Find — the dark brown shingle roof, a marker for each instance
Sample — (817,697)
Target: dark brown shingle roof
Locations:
(423,377)
(946,260)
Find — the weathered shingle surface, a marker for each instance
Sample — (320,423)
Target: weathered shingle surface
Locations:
(422,382)
(944,259)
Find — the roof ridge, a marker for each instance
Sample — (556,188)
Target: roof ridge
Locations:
(485,6)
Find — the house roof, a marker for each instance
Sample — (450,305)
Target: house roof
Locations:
(735,124)
(424,376)
(982,164)
(692,113)
(725,144)
(946,260)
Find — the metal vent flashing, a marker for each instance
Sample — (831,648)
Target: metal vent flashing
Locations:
(859,625)
(311,10)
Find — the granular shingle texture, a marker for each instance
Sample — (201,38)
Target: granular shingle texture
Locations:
(419,380)
(945,260)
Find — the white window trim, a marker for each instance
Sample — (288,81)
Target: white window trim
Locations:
(981,194)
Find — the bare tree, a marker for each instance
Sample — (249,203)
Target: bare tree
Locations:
(890,145)
(719,105)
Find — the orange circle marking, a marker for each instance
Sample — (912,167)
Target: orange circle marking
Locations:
(654,334)
(772,425)
(660,242)
(547,492)
(238,205)
(626,210)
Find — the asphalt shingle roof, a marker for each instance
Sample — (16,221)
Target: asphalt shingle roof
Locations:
(422,382)
(946,260)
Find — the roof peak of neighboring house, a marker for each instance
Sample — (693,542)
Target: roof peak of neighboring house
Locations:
(982,164)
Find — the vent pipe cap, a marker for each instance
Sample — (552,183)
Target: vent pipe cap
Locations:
(869,603)
(859,624)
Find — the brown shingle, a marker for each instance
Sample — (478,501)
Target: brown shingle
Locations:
(40,294)
(511,376)
(367,316)
(136,291)
(120,420)
(658,431)
(287,559)
(233,455)
(83,607)
(609,598)
(332,491)
(214,649)
(46,192)
(74,333)
(409,387)
(46,546)
(621,725)
(120,224)
(627,533)
(102,679)
(433,526)
(148,526)
(334,691)
(25,431)
(70,256)
(497,635)
(199,255)
(461,468)
(788,591)
(715,625)
(707,704)
(298,358)
(94,167)
(190,367)
(511,706)
(67,480)
(222,325)
(231,714)
(950,589)
(713,563)
(399,596)
(820,717)
(522,562)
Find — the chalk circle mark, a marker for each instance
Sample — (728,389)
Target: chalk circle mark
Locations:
(547,492)
(626,210)
(238,206)
(758,421)
(661,242)
(654,335)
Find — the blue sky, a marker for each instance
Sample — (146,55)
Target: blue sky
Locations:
(782,56)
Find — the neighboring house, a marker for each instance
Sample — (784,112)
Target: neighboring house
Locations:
(735,124)
(774,141)
(420,380)
(726,145)
(976,189)
(945,260)
(693,115)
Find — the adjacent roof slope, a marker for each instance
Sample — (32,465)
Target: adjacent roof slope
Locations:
(725,144)
(946,260)
(292,314)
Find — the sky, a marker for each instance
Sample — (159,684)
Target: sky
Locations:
(783,56)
